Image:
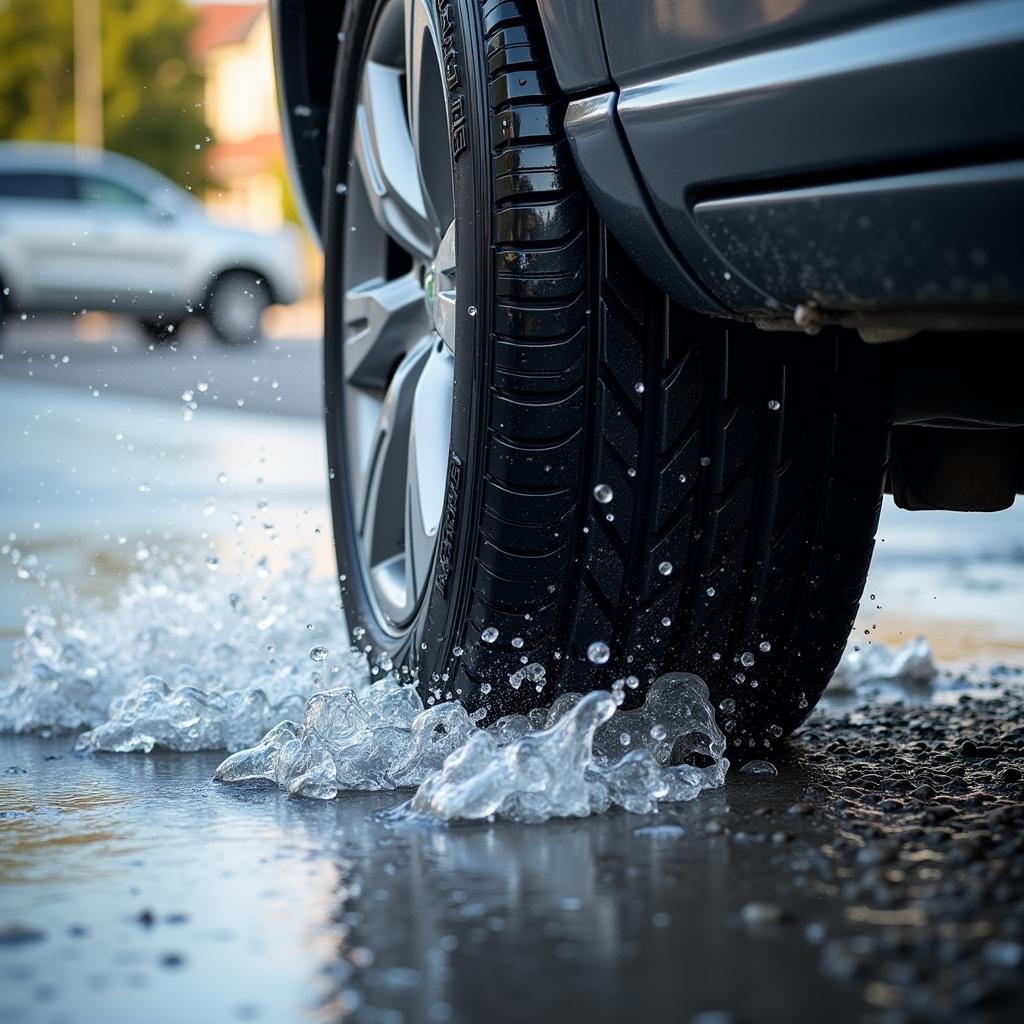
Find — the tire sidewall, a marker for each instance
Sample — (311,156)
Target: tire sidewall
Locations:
(424,647)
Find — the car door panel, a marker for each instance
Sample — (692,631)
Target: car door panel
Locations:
(135,252)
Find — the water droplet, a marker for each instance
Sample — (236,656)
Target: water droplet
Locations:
(517,642)
(222,478)
(318,654)
(764,646)
(710,591)
(489,635)
(632,682)
(603,493)
(658,732)
(625,739)
(666,622)
(213,563)
(746,659)
(598,652)
(774,404)
(705,461)
(638,387)
(144,488)
(727,706)
(665,568)
(457,651)
(485,688)
(471,311)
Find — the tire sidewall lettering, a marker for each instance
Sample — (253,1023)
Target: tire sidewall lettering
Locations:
(432,635)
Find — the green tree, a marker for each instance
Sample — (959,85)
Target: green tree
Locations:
(152,91)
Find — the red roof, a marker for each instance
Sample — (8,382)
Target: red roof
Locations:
(222,24)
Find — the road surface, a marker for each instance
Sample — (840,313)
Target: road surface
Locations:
(878,877)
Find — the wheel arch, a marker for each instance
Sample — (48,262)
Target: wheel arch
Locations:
(305,48)
(305,36)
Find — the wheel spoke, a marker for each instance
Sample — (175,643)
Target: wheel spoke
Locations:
(428,459)
(387,162)
(382,509)
(381,318)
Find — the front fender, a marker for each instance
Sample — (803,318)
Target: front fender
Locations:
(305,47)
(305,36)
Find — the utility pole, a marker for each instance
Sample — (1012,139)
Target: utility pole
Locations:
(88,75)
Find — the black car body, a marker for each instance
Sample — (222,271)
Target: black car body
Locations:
(838,161)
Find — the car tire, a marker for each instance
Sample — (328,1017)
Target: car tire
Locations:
(235,305)
(628,488)
(161,331)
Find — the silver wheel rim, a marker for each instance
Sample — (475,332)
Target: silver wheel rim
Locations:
(399,309)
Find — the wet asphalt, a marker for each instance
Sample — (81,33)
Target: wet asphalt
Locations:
(878,877)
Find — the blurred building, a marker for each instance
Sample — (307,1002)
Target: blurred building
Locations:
(232,44)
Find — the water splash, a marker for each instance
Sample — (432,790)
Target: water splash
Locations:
(383,739)
(189,659)
(564,761)
(185,659)
(863,665)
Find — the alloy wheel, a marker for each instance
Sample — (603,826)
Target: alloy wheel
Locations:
(399,278)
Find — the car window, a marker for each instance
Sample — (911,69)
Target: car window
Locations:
(35,185)
(103,191)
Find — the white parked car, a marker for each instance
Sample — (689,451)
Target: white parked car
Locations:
(94,230)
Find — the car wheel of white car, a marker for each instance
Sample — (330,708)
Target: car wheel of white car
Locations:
(236,303)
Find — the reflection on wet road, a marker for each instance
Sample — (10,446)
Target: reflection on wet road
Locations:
(274,904)
(159,898)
